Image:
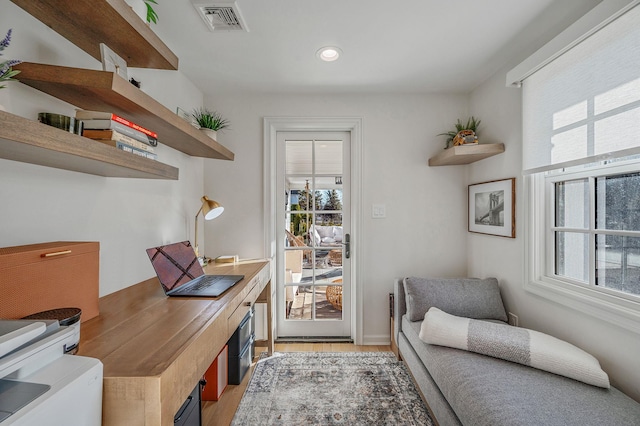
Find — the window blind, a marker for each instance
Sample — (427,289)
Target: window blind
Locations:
(584,106)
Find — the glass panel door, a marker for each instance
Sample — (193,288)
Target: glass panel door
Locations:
(313,291)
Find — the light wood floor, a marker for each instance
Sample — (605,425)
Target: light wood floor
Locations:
(221,412)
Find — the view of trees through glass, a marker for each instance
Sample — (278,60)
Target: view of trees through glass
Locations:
(329,201)
(616,234)
(315,200)
(618,256)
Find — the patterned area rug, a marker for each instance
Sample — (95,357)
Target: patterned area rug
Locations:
(351,388)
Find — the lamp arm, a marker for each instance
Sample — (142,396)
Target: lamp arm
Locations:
(195,240)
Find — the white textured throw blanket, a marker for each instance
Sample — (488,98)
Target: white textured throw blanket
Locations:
(514,344)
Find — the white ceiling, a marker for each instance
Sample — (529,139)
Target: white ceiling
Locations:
(388,46)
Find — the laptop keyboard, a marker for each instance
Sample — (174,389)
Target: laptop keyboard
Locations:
(208,285)
(206,282)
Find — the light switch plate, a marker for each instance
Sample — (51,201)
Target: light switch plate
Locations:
(378,211)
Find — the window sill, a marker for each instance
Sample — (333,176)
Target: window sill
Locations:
(615,310)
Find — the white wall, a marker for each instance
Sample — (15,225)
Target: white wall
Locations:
(500,109)
(424,231)
(39,204)
(617,349)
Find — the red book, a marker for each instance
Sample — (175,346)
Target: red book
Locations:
(99,115)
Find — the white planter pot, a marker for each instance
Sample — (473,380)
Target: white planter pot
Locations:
(211,133)
(139,8)
(5,96)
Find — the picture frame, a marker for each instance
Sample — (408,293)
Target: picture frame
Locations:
(111,61)
(189,118)
(492,208)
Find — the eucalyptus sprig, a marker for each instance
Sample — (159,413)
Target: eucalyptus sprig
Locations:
(472,124)
(6,72)
(152,15)
(210,119)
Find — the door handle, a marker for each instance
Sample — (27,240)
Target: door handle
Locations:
(183,409)
(56,253)
(347,246)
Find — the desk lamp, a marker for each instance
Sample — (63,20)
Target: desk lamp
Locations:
(210,210)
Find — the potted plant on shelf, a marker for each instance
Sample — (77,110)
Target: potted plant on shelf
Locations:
(152,15)
(463,134)
(6,71)
(144,9)
(210,121)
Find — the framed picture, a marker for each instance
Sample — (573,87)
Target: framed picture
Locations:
(112,62)
(187,117)
(492,208)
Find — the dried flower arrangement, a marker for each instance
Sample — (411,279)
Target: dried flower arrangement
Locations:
(6,71)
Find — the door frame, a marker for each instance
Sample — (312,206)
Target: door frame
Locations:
(353,125)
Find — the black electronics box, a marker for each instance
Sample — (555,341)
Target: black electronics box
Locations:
(241,349)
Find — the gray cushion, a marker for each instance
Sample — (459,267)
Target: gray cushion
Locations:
(486,391)
(464,297)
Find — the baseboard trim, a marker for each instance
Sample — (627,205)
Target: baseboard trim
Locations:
(379,339)
(314,339)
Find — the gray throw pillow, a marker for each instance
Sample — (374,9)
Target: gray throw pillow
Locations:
(464,297)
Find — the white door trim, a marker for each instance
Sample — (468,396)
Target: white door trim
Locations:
(272,125)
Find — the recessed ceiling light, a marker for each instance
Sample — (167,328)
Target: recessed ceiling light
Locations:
(329,53)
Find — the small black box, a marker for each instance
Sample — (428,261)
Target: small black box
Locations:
(239,364)
(241,336)
(190,412)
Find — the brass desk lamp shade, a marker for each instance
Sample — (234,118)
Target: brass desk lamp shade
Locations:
(210,209)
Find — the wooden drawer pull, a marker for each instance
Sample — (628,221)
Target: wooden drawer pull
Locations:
(55,253)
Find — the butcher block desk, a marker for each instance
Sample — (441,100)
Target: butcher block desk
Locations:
(156,348)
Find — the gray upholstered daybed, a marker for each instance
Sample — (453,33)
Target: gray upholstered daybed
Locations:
(468,388)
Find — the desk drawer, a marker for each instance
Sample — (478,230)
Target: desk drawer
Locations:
(242,334)
(243,308)
(239,365)
(190,414)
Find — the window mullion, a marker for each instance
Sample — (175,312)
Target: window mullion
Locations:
(550,222)
(593,260)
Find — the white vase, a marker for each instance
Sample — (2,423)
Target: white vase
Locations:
(211,133)
(5,96)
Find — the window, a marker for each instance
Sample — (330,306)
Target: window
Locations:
(594,227)
(581,166)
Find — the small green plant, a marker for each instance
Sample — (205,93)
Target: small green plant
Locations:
(152,15)
(6,72)
(210,119)
(472,124)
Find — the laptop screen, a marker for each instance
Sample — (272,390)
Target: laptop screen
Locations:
(175,264)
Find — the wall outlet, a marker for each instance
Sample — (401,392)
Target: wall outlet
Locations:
(513,319)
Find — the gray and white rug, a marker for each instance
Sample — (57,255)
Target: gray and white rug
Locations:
(351,388)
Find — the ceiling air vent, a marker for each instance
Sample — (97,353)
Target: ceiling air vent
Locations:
(221,16)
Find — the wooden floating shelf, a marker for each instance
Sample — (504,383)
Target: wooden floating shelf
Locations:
(466,154)
(29,141)
(87,23)
(107,91)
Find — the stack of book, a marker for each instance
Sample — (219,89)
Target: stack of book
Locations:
(111,129)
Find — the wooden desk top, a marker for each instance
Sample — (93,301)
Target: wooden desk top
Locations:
(141,334)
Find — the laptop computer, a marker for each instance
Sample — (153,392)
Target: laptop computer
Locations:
(180,273)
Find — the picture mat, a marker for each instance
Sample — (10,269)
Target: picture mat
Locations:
(189,118)
(111,61)
(482,190)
